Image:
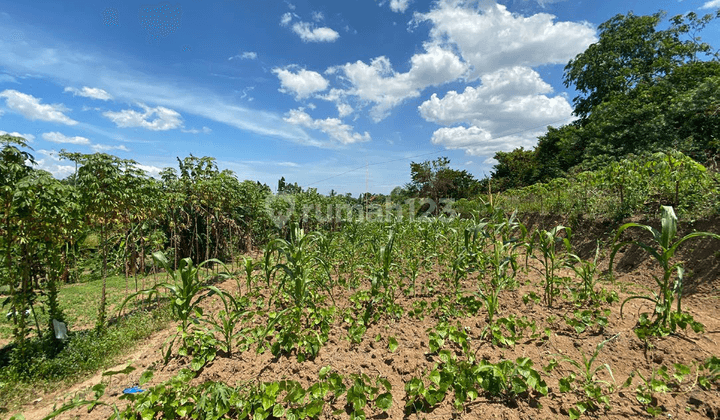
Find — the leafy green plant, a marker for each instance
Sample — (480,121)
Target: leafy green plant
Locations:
(710,372)
(582,320)
(665,319)
(226,322)
(546,242)
(587,271)
(592,392)
(506,331)
(506,380)
(186,292)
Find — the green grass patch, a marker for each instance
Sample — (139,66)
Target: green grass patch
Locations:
(79,302)
(84,353)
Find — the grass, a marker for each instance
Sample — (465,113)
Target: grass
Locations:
(85,352)
(79,303)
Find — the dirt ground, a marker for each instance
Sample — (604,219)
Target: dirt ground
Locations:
(623,354)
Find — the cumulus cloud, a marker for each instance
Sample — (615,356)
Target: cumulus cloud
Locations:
(156,119)
(151,170)
(56,137)
(28,137)
(302,83)
(378,83)
(510,100)
(309,33)
(51,162)
(399,6)
(507,99)
(477,141)
(713,4)
(286,18)
(333,127)
(88,92)
(490,37)
(31,108)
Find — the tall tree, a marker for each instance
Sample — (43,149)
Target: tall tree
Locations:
(631,51)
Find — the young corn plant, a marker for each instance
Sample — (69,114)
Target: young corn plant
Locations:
(249,267)
(186,292)
(592,392)
(226,322)
(666,320)
(551,260)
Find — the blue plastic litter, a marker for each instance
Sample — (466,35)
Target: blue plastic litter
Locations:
(133,390)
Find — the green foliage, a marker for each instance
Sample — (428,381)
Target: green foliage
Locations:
(632,52)
(666,320)
(592,392)
(546,242)
(505,380)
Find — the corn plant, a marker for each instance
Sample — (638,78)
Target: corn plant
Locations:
(666,320)
(546,242)
(297,267)
(587,271)
(249,267)
(186,292)
(593,392)
(226,322)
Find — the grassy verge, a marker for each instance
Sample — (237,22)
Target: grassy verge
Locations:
(83,353)
(79,302)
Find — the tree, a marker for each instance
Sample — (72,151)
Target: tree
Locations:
(514,169)
(631,52)
(436,180)
(105,193)
(287,188)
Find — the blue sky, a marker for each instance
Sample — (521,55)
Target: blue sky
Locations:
(306,89)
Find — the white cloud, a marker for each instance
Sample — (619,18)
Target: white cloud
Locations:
(399,6)
(479,142)
(333,127)
(713,4)
(51,163)
(88,92)
(56,137)
(151,170)
(164,118)
(302,84)
(31,108)
(204,130)
(507,99)
(344,109)
(286,18)
(380,84)
(246,55)
(318,16)
(28,137)
(106,148)
(510,100)
(489,37)
(309,33)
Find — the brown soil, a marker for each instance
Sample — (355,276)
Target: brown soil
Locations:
(624,354)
